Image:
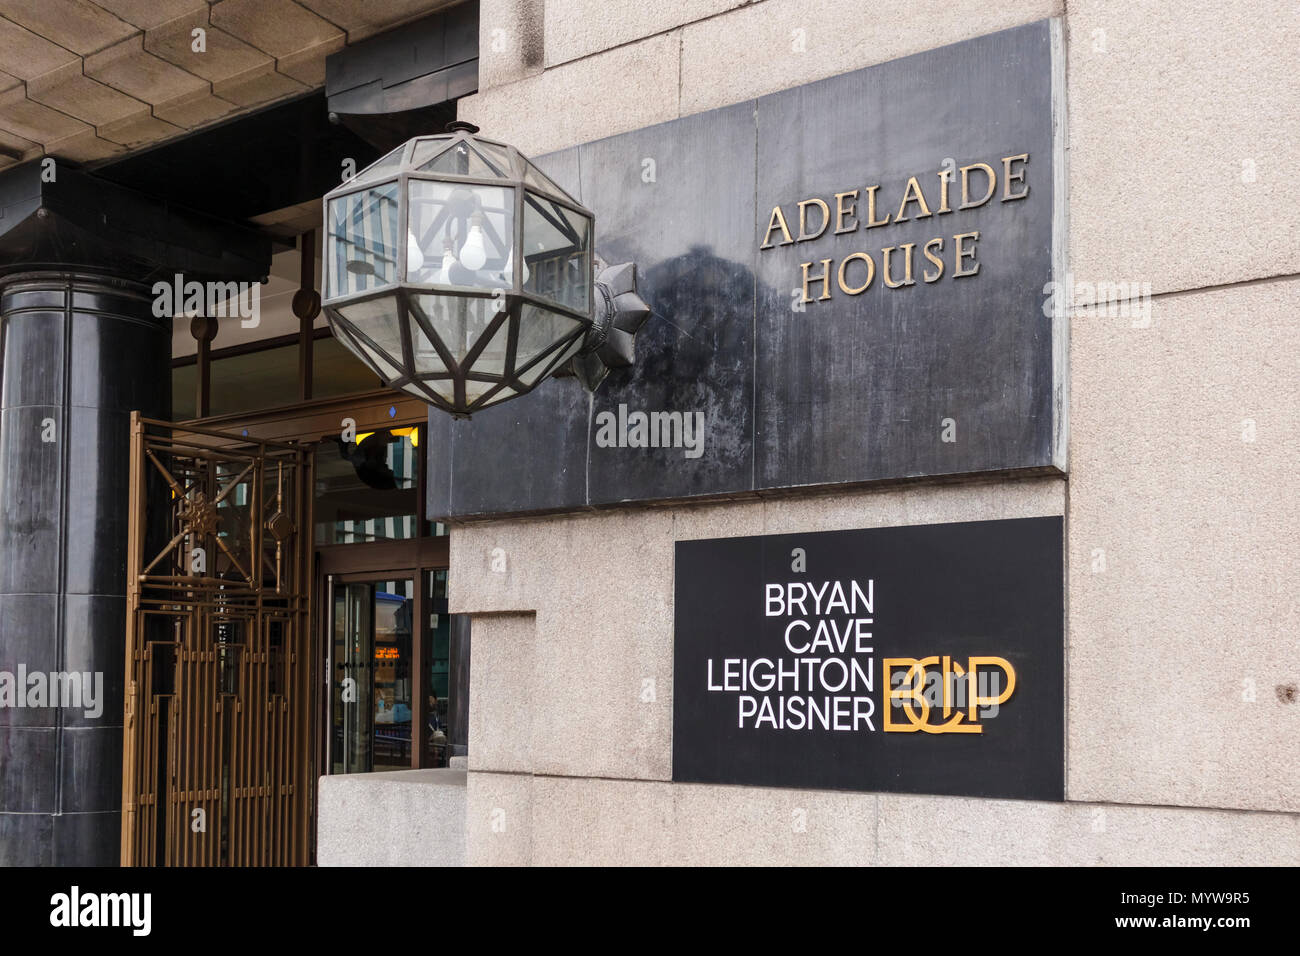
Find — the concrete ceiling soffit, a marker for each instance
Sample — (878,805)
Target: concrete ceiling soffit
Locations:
(89,80)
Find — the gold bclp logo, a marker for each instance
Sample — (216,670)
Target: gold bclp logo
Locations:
(916,692)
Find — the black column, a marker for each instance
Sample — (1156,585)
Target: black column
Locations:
(78,353)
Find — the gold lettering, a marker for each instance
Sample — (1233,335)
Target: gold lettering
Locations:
(965,185)
(945,180)
(825,278)
(951,669)
(804,235)
(977,700)
(962,254)
(1008,177)
(871,273)
(909,692)
(907,274)
(912,194)
(935,259)
(845,210)
(777,221)
(871,209)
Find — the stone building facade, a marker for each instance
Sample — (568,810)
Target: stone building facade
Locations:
(1179,498)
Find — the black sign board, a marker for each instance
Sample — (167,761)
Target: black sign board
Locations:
(925,659)
(854,280)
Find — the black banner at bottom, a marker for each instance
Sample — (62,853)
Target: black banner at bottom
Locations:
(343,907)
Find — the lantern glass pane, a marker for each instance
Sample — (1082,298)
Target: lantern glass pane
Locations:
(458,320)
(380,337)
(426,146)
(535,177)
(380,168)
(427,359)
(501,396)
(539,330)
(498,157)
(480,160)
(533,374)
(361,246)
(444,388)
(464,234)
(553,360)
(568,352)
(343,332)
(557,250)
(426,149)
(474,390)
(492,360)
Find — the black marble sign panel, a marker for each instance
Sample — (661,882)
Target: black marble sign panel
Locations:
(686,219)
(929,350)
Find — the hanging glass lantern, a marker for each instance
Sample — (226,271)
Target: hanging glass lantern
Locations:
(460,273)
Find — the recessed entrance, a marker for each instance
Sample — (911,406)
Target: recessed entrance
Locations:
(370,706)
(391,657)
(319,644)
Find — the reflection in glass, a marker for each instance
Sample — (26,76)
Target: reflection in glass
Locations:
(367,490)
(361,245)
(371,708)
(438,738)
(394,603)
(464,233)
(457,321)
(557,252)
(352,640)
(376,332)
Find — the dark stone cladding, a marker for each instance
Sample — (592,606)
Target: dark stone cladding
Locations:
(846,392)
(80,349)
(78,353)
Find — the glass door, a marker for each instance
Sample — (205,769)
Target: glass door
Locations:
(372,666)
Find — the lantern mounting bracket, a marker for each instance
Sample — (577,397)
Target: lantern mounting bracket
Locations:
(619,314)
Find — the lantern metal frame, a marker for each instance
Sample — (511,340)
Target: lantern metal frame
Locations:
(617,308)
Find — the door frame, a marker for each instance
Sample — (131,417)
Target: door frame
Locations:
(417,652)
(340,563)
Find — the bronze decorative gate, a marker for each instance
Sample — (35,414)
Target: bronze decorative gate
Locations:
(217,750)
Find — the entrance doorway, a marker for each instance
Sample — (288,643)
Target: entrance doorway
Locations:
(371,704)
(289,619)
(234,707)
(217,737)
(398,666)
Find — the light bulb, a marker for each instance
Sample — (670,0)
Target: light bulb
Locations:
(472,253)
(414,257)
(508,273)
(448,260)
